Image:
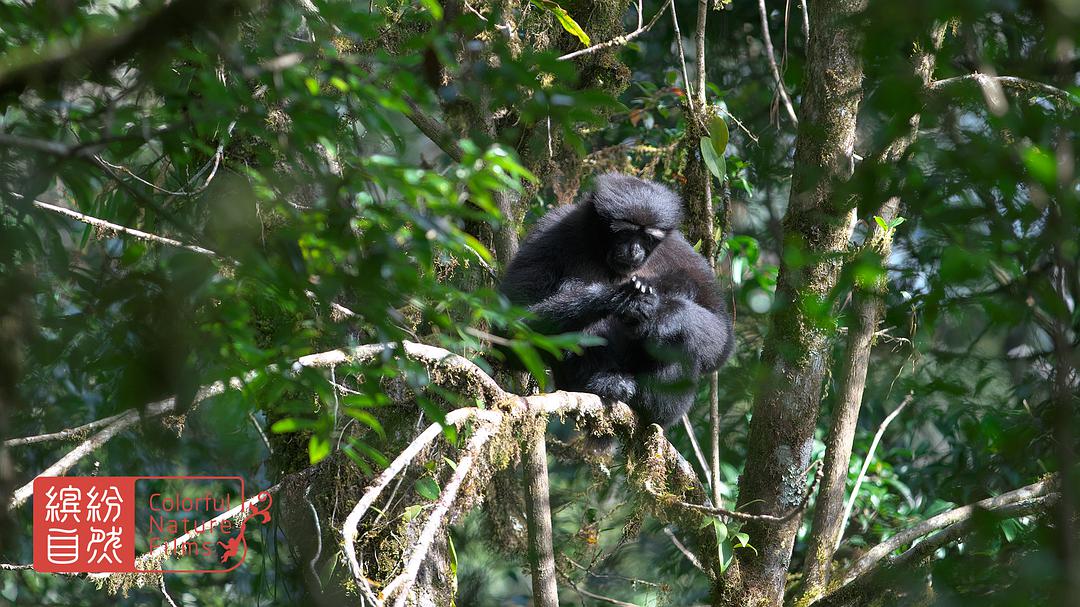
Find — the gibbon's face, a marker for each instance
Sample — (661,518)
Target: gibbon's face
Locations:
(631,245)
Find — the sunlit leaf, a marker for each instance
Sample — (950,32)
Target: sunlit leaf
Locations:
(564,19)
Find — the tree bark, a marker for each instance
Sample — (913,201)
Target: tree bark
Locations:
(829,513)
(538,512)
(796,352)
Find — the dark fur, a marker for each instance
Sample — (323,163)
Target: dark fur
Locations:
(663,330)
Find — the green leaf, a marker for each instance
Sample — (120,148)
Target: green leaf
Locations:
(718,131)
(720,529)
(339,84)
(712,160)
(531,359)
(881,223)
(435,8)
(896,222)
(291,424)
(1010,528)
(427,488)
(318,448)
(412,512)
(564,18)
(724,550)
(1041,165)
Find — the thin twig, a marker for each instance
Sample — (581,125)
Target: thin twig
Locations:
(739,124)
(318,535)
(76,432)
(165,592)
(697,451)
(106,225)
(618,40)
(682,60)
(1020,84)
(593,595)
(341,310)
(745,516)
(699,39)
(866,466)
(805,21)
(258,427)
(690,556)
(770,56)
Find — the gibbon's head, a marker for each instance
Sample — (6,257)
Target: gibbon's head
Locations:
(635,216)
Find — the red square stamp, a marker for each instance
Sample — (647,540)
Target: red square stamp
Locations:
(84,524)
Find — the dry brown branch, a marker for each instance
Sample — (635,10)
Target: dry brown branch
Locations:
(112,227)
(76,432)
(401,585)
(866,466)
(124,421)
(690,556)
(770,56)
(945,519)
(950,526)
(108,227)
(1018,84)
(619,40)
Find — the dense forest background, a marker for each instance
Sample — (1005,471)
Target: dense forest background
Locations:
(263,238)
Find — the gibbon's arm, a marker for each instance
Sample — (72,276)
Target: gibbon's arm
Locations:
(577,304)
(705,336)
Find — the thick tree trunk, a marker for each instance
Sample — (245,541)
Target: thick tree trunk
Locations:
(796,353)
(829,513)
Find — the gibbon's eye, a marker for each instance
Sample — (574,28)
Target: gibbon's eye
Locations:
(656,234)
(622,226)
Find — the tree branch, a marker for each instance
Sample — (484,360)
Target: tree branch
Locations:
(618,40)
(434,130)
(770,56)
(950,526)
(76,432)
(108,226)
(1019,84)
(401,585)
(174,20)
(1002,502)
(835,540)
(538,516)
